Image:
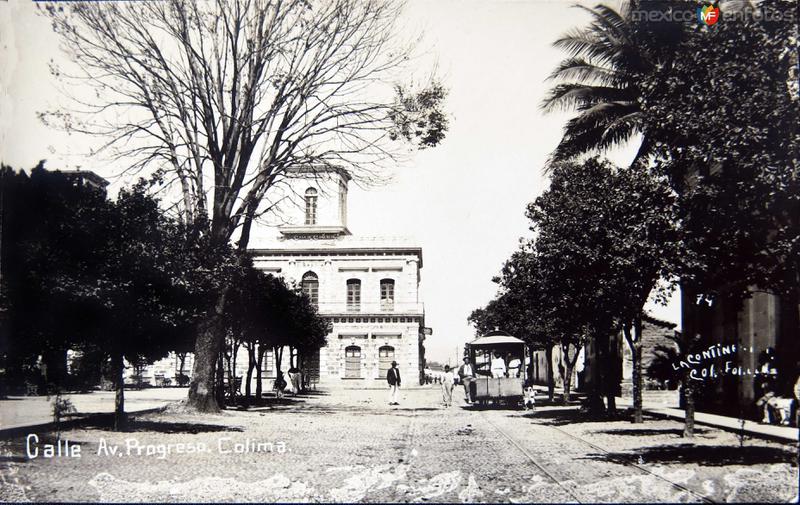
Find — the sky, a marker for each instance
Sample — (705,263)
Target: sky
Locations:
(463,201)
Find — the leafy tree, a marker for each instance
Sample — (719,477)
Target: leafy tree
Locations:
(133,286)
(114,279)
(264,313)
(223,97)
(47,221)
(605,238)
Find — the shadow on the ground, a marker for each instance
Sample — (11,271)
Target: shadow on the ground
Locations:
(492,406)
(568,415)
(171,427)
(267,402)
(706,455)
(135,424)
(648,432)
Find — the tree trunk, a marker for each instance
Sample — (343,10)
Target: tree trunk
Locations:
(206,352)
(259,363)
(251,363)
(234,354)
(120,420)
(567,376)
(219,383)
(689,327)
(182,361)
(551,384)
(638,377)
(688,392)
(635,344)
(278,357)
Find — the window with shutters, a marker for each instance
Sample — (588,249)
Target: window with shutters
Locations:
(353,295)
(385,358)
(352,362)
(387,294)
(310,286)
(311,206)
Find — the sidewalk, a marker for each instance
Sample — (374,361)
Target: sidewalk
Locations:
(751,428)
(31,411)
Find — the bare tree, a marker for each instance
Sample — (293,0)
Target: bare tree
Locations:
(221,98)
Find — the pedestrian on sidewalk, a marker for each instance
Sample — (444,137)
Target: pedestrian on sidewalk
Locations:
(393,378)
(467,376)
(279,385)
(294,380)
(448,380)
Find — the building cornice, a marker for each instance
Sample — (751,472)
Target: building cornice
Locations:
(349,317)
(334,251)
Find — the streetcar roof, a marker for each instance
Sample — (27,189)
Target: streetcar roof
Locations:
(490,340)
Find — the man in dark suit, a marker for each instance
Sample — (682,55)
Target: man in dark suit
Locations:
(393,378)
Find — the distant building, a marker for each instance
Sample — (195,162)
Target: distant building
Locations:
(367,287)
(85,178)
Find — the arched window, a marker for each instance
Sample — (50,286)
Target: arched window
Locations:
(311,206)
(387,294)
(353,295)
(310,286)
(352,362)
(385,358)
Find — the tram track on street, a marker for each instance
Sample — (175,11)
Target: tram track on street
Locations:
(535,462)
(616,459)
(629,463)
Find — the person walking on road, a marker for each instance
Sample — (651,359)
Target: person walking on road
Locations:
(393,378)
(467,375)
(448,381)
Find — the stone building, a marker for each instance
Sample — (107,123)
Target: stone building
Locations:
(367,287)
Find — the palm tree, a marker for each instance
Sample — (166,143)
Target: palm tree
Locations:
(600,77)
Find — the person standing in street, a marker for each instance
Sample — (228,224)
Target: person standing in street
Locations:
(467,375)
(448,381)
(393,378)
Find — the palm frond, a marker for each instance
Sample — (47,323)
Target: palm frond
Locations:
(598,133)
(579,69)
(586,44)
(620,130)
(581,96)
